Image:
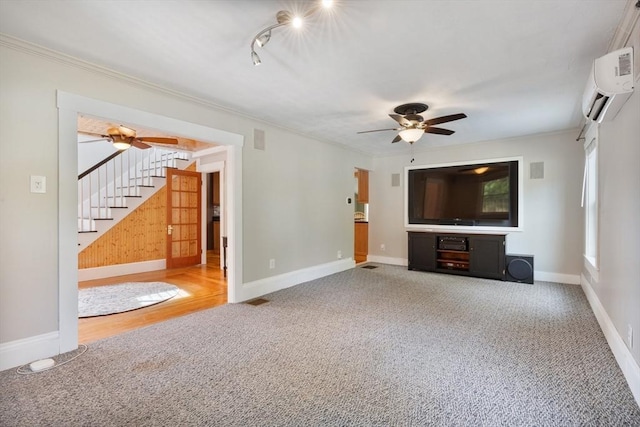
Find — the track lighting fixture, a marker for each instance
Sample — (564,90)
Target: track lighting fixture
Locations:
(284,17)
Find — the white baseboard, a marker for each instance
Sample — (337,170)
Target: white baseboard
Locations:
(387,260)
(623,356)
(569,279)
(27,350)
(121,269)
(265,286)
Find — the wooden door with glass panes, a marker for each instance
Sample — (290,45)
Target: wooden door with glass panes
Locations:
(183,218)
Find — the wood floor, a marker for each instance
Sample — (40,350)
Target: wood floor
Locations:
(201,287)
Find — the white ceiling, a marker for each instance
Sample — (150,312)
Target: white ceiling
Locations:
(514,67)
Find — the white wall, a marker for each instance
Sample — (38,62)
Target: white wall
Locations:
(551,218)
(297,212)
(617,286)
(293,202)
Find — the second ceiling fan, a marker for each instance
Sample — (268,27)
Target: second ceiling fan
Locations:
(123,137)
(413,125)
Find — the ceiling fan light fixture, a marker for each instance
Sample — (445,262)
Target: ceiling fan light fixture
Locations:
(121,142)
(121,145)
(411,135)
(413,125)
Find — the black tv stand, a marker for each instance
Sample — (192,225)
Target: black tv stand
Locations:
(478,255)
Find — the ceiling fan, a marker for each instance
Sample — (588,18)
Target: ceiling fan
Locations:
(413,125)
(123,137)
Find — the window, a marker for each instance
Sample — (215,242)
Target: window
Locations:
(590,198)
(495,195)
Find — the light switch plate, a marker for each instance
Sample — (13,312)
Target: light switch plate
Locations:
(38,184)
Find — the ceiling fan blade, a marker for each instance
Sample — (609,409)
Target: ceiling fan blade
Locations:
(439,131)
(400,119)
(396,139)
(139,144)
(106,138)
(159,140)
(445,119)
(100,135)
(377,130)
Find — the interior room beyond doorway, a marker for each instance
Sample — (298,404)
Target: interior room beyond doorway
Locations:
(200,287)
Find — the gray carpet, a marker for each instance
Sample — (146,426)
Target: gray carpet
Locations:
(383,347)
(111,299)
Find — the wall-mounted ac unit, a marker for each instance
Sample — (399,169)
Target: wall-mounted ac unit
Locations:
(609,86)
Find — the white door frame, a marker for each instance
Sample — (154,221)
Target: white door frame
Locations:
(69,106)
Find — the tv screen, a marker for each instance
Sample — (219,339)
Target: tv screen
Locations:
(482,194)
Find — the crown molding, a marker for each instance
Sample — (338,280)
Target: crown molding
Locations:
(43,52)
(55,56)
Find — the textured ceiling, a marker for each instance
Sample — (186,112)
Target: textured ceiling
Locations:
(514,67)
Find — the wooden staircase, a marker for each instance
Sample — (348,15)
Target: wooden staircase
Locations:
(115,187)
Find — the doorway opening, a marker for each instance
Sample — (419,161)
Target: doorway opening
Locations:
(153,199)
(69,106)
(361,216)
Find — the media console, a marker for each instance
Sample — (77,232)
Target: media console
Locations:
(478,255)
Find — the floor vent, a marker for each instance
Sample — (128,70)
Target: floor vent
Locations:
(369,267)
(257,301)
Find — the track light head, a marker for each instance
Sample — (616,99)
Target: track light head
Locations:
(296,22)
(284,17)
(263,39)
(255,58)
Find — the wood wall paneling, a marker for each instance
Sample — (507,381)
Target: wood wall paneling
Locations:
(140,236)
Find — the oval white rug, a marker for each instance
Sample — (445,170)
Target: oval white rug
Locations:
(111,299)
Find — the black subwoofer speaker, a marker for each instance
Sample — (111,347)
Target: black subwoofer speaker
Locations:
(519,268)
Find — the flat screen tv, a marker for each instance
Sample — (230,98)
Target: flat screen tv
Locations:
(474,194)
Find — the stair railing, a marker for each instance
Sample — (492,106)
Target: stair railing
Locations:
(107,184)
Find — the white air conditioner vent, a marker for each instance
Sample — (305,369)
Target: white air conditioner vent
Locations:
(609,86)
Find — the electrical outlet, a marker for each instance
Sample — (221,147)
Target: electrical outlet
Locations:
(383,247)
(630,335)
(272,263)
(339,254)
(38,184)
